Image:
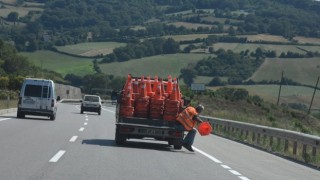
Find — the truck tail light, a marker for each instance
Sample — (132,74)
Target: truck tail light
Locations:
(175,133)
(126,129)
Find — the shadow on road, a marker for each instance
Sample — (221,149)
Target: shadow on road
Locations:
(43,118)
(132,144)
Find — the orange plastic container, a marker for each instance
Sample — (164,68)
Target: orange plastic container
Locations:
(204,128)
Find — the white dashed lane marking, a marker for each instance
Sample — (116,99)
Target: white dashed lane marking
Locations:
(5,119)
(85,124)
(73,139)
(81,129)
(219,162)
(56,157)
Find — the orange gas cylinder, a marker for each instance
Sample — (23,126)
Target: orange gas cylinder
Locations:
(204,128)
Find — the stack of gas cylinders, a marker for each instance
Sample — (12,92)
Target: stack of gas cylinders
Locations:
(152,98)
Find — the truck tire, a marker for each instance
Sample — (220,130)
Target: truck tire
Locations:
(177,147)
(120,139)
(20,114)
(52,117)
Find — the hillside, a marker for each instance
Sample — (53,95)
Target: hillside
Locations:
(212,42)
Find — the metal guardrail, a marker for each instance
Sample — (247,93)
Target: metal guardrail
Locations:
(258,135)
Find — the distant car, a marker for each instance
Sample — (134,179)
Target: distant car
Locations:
(91,103)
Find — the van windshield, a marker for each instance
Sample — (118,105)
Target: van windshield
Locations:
(91,98)
(37,91)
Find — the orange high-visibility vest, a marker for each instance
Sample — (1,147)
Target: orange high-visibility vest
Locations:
(186,116)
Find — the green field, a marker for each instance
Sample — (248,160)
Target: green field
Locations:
(23,11)
(238,47)
(90,49)
(162,65)
(304,70)
(289,94)
(60,63)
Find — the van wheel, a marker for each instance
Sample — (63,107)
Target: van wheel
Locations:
(81,112)
(20,115)
(52,117)
(99,112)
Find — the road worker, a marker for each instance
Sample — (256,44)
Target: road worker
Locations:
(188,118)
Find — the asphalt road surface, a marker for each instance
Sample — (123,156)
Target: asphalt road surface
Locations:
(81,146)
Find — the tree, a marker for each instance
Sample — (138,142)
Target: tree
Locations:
(4,82)
(188,74)
(171,46)
(13,16)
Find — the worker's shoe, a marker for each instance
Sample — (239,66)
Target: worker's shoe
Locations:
(188,147)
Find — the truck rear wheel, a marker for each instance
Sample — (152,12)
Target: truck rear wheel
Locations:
(120,139)
(177,146)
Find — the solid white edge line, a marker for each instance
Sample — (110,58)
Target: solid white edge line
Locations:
(56,157)
(108,110)
(73,139)
(5,119)
(235,172)
(81,129)
(225,166)
(243,178)
(207,155)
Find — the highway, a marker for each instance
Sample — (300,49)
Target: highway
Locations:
(81,147)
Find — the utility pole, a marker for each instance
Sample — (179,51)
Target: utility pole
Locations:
(280,88)
(314,92)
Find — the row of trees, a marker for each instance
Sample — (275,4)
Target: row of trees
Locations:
(146,48)
(68,22)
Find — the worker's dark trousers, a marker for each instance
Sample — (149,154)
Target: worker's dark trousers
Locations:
(190,137)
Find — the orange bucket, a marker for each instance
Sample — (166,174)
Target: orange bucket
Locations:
(204,128)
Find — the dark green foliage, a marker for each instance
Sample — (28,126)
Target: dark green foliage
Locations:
(216,81)
(146,48)
(234,94)
(228,64)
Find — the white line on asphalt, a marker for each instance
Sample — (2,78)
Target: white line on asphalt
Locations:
(73,139)
(108,110)
(85,124)
(235,172)
(5,119)
(225,166)
(81,129)
(56,157)
(243,178)
(87,119)
(219,162)
(207,155)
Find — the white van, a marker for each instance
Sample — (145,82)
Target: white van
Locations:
(37,97)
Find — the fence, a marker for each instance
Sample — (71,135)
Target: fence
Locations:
(298,146)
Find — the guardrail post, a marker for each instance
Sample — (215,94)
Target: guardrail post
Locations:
(314,151)
(8,100)
(253,137)
(271,140)
(264,139)
(247,134)
(258,139)
(286,144)
(295,144)
(304,152)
